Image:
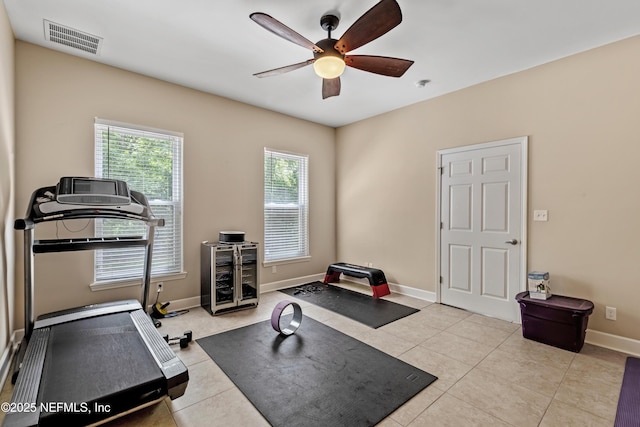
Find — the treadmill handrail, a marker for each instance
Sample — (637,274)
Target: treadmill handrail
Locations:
(138,209)
(87,243)
(35,342)
(42,197)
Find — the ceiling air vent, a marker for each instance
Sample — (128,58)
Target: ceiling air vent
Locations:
(71,37)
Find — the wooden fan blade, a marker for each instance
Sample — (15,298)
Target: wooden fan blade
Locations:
(282,70)
(375,22)
(279,29)
(392,67)
(330,87)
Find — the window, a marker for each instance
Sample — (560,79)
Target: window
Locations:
(150,161)
(286,206)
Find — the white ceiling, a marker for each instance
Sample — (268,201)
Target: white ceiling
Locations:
(213,46)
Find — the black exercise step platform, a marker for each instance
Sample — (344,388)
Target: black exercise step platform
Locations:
(376,277)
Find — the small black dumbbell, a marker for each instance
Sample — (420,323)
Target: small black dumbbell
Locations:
(184,340)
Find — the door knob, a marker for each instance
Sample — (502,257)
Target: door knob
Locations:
(512,242)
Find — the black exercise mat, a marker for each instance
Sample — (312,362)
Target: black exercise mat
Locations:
(315,377)
(628,414)
(373,312)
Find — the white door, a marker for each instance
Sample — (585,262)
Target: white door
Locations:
(482,227)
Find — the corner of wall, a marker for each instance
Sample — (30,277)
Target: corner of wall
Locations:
(7,183)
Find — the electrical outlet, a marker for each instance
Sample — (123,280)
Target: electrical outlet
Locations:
(610,313)
(159,286)
(541,215)
(274,269)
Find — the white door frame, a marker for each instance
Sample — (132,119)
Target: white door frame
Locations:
(523,141)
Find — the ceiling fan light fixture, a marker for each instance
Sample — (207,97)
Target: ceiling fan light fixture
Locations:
(329,66)
(331,56)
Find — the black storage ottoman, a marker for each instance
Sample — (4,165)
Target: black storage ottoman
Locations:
(558,321)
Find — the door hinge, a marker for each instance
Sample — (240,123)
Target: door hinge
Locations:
(441,225)
(440,279)
(441,169)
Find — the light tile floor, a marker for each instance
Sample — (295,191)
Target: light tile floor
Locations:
(489,375)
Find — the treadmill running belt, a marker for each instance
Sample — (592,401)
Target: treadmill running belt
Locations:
(97,367)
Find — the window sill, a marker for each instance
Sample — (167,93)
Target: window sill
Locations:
(103,286)
(286,261)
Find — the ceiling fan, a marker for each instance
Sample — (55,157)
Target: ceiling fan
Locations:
(330,55)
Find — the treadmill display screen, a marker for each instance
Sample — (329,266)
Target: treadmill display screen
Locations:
(85,186)
(92,191)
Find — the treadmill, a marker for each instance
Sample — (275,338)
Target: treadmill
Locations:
(89,365)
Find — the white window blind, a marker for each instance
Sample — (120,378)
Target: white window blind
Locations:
(150,161)
(286,206)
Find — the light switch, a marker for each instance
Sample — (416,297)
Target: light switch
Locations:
(541,215)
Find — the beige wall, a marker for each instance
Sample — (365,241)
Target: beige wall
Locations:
(58,97)
(7,178)
(582,116)
(580,113)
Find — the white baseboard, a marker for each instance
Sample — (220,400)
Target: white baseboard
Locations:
(600,339)
(181,304)
(613,342)
(283,284)
(413,292)
(393,287)
(7,355)
(192,302)
(5,362)
(16,338)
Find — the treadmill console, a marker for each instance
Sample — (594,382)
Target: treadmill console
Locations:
(92,191)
